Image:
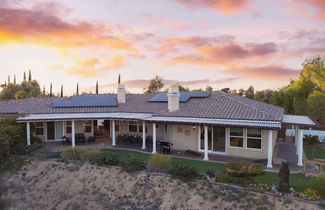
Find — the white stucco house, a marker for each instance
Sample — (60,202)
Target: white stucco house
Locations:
(204,122)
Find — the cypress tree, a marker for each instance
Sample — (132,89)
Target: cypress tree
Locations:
(14,79)
(77,92)
(119,79)
(51,94)
(8,79)
(44,90)
(97,87)
(61,91)
(24,76)
(29,76)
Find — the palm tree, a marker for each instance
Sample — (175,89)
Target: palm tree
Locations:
(77,92)
(61,91)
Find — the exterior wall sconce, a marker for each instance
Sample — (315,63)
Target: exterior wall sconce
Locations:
(194,127)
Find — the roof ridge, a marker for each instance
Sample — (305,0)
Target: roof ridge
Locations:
(250,106)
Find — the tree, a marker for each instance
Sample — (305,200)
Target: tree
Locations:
(241,92)
(119,79)
(61,94)
(8,79)
(155,85)
(250,92)
(29,76)
(24,76)
(97,87)
(44,93)
(226,90)
(77,91)
(51,93)
(209,88)
(180,87)
(15,79)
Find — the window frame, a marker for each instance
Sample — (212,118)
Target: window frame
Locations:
(87,123)
(133,123)
(243,137)
(38,127)
(248,137)
(68,125)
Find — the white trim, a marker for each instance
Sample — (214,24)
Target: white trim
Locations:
(73,134)
(212,151)
(28,133)
(269,149)
(113,133)
(154,138)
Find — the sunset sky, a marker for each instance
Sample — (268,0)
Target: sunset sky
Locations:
(222,43)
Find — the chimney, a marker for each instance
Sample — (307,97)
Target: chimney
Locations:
(121,93)
(173,99)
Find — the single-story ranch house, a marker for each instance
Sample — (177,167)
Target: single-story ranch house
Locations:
(202,122)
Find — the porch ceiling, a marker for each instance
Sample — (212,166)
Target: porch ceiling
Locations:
(299,120)
(222,122)
(82,116)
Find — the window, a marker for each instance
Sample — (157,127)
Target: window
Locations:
(140,128)
(39,129)
(133,126)
(87,126)
(68,128)
(117,126)
(236,137)
(254,138)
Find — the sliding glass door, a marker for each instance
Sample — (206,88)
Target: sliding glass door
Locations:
(216,139)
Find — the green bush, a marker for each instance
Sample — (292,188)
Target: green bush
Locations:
(318,184)
(133,164)
(311,193)
(311,139)
(90,155)
(158,163)
(226,178)
(244,169)
(183,172)
(73,154)
(111,158)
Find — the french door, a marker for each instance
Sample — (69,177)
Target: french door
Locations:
(216,139)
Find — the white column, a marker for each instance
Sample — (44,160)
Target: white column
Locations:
(300,148)
(269,149)
(28,132)
(296,136)
(73,134)
(143,135)
(206,157)
(154,138)
(113,133)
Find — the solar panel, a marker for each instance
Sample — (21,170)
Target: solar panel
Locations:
(184,96)
(87,101)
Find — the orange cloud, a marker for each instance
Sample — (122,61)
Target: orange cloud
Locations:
(265,72)
(318,4)
(227,7)
(42,27)
(87,66)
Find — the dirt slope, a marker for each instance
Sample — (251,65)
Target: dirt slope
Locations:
(50,185)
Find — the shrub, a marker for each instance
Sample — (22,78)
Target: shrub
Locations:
(90,155)
(318,184)
(244,169)
(311,139)
(73,154)
(226,178)
(311,194)
(134,164)
(111,158)
(158,163)
(183,172)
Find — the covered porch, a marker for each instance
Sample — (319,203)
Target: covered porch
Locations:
(202,138)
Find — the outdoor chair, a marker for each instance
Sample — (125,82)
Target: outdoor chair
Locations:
(165,147)
(80,138)
(91,139)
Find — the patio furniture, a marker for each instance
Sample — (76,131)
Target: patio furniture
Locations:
(66,140)
(80,138)
(165,147)
(91,139)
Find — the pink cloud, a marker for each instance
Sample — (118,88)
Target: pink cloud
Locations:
(227,7)
(318,4)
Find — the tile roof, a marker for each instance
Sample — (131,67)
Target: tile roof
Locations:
(218,105)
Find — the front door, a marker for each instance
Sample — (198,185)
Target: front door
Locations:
(50,131)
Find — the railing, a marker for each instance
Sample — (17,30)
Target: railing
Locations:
(320,162)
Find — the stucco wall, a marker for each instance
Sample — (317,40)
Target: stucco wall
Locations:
(183,137)
(253,153)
